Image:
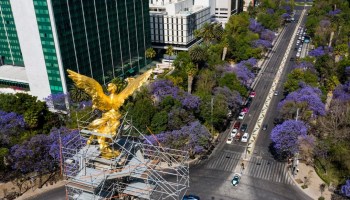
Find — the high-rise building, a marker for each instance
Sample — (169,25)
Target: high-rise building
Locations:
(102,39)
(173,22)
(225,8)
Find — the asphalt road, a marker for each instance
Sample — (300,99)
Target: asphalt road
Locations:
(263,177)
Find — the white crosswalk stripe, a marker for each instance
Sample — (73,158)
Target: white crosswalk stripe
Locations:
(268,170)
(226,161)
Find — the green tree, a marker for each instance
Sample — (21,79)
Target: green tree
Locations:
(170,52)
(3,153)
(182,59)
(191,71)
(159,122)
(142,112)
(120,83)
(198,54)
(230,80)
(210,32)
(78,95)
(206,82)
(297,76)
(150,53)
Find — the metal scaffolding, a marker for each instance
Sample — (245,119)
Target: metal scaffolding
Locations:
(140,171)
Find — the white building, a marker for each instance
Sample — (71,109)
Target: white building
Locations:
(225,8)
(173,22)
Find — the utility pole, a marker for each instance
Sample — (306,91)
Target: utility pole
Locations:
(212,107)
(296,117)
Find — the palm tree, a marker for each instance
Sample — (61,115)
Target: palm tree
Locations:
(150,53)
(197,54)
(224,50)
(120,83)
(191,71)
(78,95)
(170,52)
(206,32)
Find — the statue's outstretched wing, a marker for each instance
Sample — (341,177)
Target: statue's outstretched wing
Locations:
(99,99)
(133,84)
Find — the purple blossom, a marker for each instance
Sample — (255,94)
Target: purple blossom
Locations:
(285,16)
(270,11)
(347,71)
(304,65)
(11,125)
(320,51)
(162,88)
(345,189)
(57,101)
(244,75)
(268,35)
(66,136)
(285,137)
(342,92)
(261,44)
(233,98)
(309,95)
(33,155)
(334,12)
(255,26)
(193,138)
(287,8)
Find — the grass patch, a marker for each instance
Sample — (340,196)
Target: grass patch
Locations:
(328,172)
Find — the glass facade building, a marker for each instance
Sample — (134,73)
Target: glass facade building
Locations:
(10,50)
(101,39)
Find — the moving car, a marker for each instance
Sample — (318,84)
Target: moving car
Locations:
(236,179)
(229,140)
(234,133)
(191,197)
(244,127)
(298,55)
(245,137)
(276,93)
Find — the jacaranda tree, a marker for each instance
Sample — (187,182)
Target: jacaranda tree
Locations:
(285,137)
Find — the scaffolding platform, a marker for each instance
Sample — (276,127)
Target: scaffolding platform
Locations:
(141,170)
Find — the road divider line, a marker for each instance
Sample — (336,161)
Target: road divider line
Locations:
(251,143)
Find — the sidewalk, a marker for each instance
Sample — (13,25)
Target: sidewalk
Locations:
(10,187)
(312,180)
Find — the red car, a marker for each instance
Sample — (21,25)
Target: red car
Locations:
(237,125)
(245,110)
(252,94)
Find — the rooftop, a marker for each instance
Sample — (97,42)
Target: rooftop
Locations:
(13,73)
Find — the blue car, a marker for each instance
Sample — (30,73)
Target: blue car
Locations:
(236,179)
(190,197)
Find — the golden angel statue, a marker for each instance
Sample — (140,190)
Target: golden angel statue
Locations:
(109,122)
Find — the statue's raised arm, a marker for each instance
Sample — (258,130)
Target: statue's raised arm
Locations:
(99,99)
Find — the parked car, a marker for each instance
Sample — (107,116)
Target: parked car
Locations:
(229,140)
(276,93)
(252,94)
(234,133)
(245,137)
(238,136)
(237,125)
(298,55)
(244,127)
(241,115)
(191,197)
(264,127)
(236,179)
(245,110)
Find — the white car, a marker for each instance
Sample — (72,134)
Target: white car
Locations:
(241,115)
(299,50)
(234,133)
(229,140)
(298,42)
(298,55)
(245,137)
